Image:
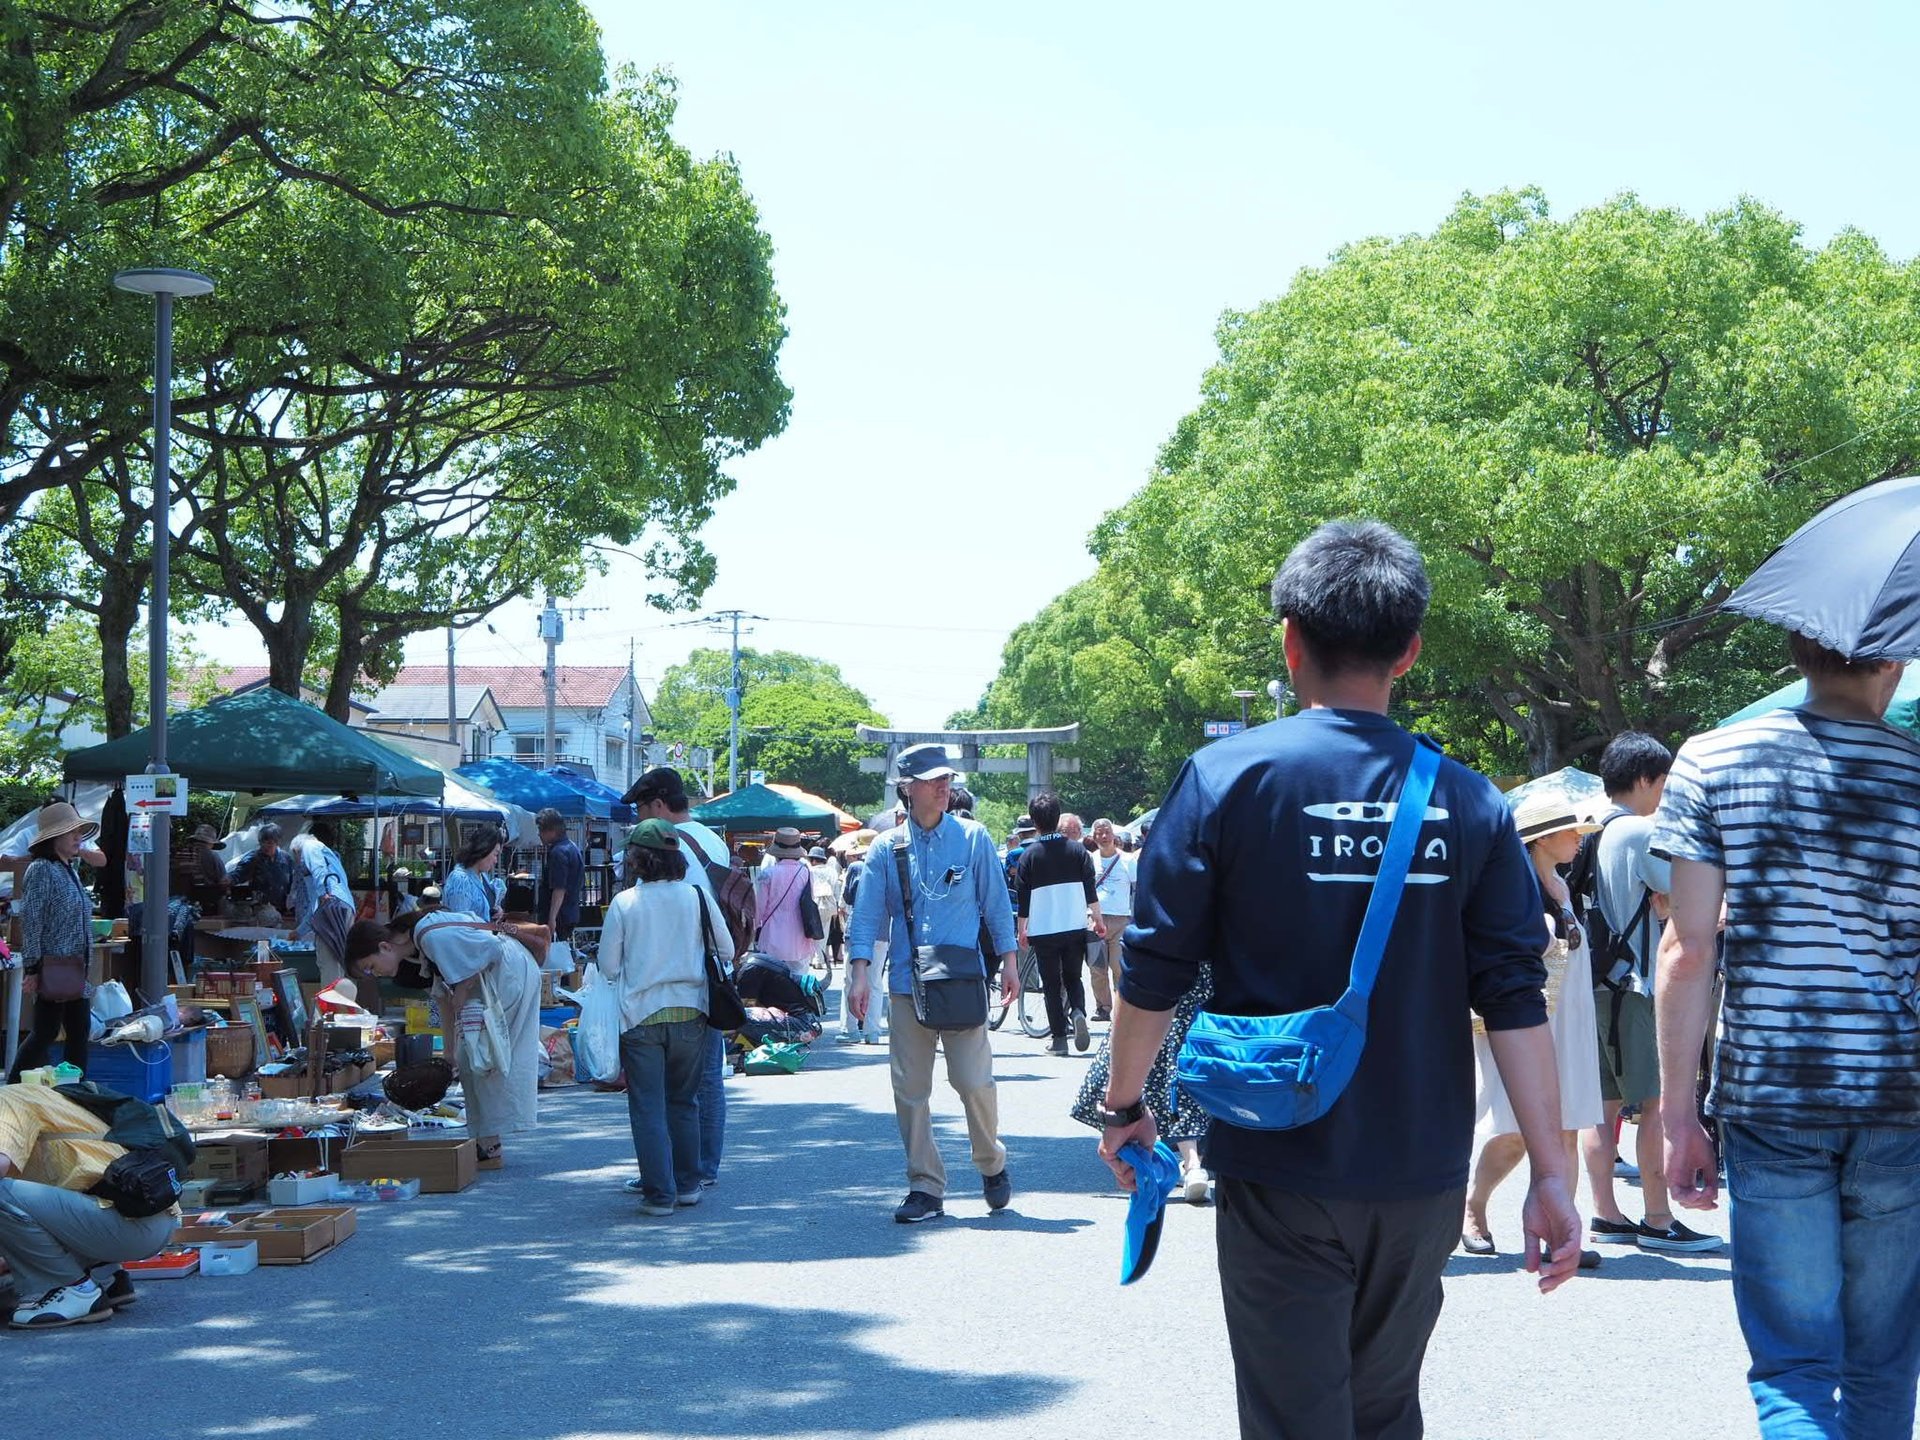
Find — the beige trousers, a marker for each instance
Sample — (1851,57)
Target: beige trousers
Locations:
(911,1048)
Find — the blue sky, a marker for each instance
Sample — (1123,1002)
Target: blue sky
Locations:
(1005,237)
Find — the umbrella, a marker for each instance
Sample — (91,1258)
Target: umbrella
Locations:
(853,840)
(1584,793)
(1850,577)
(1903,713)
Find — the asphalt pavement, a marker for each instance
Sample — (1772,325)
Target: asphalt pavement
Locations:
(541,1304)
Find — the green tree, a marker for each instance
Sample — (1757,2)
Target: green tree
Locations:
(1593,428)
(797,716)
(479,313)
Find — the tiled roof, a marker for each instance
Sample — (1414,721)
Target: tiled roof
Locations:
(426,702)
(523,687)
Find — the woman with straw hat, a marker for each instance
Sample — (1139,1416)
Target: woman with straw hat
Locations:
(1551,828)
(56,938)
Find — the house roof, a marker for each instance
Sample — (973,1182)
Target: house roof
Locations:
(428,702)
(524,687)
(238,680)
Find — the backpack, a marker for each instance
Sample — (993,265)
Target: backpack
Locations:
(1612,958)
(851,887)
(146,1180)
(733,888)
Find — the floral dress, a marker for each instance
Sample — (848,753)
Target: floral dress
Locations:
(1175,1114)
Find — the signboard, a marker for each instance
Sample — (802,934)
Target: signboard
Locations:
(1220,729)
(756,777)
(139,834)
(156,794)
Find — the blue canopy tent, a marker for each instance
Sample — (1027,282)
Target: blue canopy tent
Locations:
(1903,711)
(531,789)
(594,789)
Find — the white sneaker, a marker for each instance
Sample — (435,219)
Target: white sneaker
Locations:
(80,1304)
(1195,1183)
(688,1199)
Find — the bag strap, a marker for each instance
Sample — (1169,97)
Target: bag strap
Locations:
(906,882)
(1384,904)
(1117,856)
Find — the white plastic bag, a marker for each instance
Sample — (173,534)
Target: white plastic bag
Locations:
(597,1040)
(111,1002)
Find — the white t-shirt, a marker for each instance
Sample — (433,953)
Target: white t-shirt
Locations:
(702,841)
(1113,880)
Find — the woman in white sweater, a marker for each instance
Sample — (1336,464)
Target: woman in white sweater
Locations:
(653,947)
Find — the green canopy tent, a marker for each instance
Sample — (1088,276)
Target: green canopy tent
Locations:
(758,807)
(263,740)
(1903,712)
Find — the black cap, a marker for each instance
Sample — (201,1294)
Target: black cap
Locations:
(663,782)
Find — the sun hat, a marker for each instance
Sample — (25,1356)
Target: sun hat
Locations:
(787,844)
(207,835)
(1541,815)
(816,853)
(342,999)
(654,835)
(925,762)
(59,819)
(1155,1174)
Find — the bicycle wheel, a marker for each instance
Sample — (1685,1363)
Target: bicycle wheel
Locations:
(1032,1002)
(996,1007)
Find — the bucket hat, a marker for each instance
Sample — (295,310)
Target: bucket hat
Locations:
(208,836)
(787,844)
(59,819)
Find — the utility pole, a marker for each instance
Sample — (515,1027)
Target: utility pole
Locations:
(552,628)
(632,688)
(735,688)
(453,725)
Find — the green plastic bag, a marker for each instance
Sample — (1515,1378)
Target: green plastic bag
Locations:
(776,1057)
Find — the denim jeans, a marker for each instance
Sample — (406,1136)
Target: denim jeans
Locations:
(713,1106)
(664,1064)
(1826,1277)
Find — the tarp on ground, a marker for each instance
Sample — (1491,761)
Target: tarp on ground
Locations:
(594,789)
(1903,713)
(760,807)
(530,789)
(263,740)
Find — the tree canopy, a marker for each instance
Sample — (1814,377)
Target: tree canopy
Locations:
(478,313)
(797,715)
(1593,428)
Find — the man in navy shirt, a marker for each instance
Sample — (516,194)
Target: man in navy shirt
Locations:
(1332,1236)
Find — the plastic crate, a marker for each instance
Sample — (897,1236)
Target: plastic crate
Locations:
(142,1071)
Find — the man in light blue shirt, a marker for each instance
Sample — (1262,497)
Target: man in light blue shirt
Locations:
(957,892)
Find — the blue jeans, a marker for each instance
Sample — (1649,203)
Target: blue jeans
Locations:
(1826,1277)
(664,1064)
(713,1106)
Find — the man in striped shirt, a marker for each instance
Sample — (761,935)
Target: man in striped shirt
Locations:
(1805,823)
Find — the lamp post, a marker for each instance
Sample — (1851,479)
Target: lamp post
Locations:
(164,286)
(1243,696)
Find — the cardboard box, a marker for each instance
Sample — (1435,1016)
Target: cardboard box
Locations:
(223,1258)
(300,1189)
(305,1152)
(235,1158)
(294,1085)
(443,1165)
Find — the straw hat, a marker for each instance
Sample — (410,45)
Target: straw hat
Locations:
(59,819)
(787,844)
(1541,815)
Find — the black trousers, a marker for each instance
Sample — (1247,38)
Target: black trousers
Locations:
(1061,957)
(1330,1304)
(70,1019)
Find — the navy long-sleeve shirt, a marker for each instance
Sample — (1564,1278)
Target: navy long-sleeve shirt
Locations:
(1262,861)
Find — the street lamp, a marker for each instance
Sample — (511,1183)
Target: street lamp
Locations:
(1243,696)
(164,286)
(1277,692)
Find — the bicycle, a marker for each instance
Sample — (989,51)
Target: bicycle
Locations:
(1031,1006)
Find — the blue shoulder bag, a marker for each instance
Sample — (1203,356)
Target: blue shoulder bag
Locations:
(1277,1072)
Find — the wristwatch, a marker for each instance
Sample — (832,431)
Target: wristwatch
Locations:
(1124,1116)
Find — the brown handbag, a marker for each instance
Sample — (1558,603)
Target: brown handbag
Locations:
(63,978)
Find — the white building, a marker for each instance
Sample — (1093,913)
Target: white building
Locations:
(598,709)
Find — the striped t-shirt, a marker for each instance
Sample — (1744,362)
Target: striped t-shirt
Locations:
(1816,823)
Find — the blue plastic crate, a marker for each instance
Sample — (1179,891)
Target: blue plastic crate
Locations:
(142,1071)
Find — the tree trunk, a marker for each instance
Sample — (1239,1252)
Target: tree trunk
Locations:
(348,657)
(289,640)
(115,621)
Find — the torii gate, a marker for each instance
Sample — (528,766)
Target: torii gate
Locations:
(1039,765)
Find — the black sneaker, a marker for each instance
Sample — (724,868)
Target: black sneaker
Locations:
(998,1189)
(918,1206)
(1057,1045)
(1613,1232)
(119,1290)
(1677,1239)
(1081,1039)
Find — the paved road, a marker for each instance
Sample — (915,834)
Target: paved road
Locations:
(539,1304)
